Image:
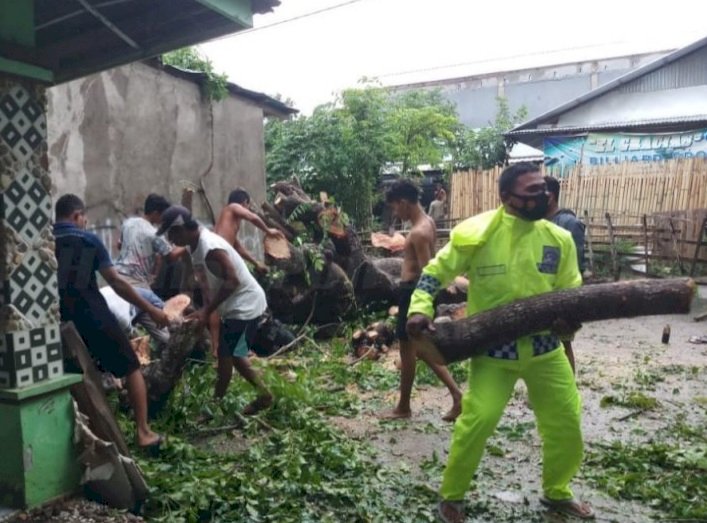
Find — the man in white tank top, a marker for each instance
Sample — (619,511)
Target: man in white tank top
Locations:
(227,288)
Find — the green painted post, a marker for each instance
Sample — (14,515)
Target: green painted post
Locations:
(37,459)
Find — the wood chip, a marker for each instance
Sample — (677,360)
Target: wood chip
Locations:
(395,243)
(141,346)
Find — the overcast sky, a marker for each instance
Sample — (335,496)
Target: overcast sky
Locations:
(402,41)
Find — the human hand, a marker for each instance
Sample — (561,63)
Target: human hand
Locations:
(564,328)
(198,318)
(275,233)
(417,324)
(261,268)
(159,316)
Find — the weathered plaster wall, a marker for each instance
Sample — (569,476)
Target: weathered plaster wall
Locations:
(117,136)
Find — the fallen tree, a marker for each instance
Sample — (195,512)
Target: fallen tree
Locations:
(462,339)
(326,275)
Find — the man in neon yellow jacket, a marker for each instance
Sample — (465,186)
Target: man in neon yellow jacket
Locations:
(509,254)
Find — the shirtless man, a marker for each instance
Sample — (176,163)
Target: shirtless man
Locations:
(227,226)
(229,223)
(403,196)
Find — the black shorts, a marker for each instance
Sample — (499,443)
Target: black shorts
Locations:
(106,342)
(236,337)
(405,291)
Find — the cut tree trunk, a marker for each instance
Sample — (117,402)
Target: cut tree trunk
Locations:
(377,281)
(322,298)
(475,335)
(162,375)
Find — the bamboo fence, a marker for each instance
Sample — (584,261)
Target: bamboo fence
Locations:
(672,196)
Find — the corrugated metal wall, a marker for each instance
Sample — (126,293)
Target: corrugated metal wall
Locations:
(689,71)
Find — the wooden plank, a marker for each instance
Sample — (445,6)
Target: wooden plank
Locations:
(700,238)
(89,393)
(676,247)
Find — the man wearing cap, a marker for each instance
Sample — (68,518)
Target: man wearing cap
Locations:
(227,287)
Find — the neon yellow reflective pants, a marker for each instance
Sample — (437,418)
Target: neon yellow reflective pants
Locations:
(555,400)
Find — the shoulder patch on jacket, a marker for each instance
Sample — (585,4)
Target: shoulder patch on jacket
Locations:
(475,230)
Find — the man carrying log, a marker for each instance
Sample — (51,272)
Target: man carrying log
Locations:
(80,255)
(509,254)
(229,223)
(404,198)
(227,226)
(227,287)
(568,220)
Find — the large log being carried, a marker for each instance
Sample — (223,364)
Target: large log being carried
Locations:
(472,336)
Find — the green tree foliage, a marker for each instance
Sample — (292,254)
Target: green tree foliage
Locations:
(343,146)
(422,127)
(215,86)
(486,148)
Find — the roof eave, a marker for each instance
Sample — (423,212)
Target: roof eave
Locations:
(271,106)
(534,137)
(609,86)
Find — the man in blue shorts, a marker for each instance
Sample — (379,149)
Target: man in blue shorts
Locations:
(227,287)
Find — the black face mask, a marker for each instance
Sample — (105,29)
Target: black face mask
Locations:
(538,212)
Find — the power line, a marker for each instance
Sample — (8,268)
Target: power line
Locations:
(293,19)
(497,59)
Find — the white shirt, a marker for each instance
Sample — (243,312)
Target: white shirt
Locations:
(248,301)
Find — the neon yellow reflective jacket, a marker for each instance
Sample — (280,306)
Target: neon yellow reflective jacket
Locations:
(504,257)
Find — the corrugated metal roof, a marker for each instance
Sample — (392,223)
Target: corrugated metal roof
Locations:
(613,85)
(687,72)
(628,125)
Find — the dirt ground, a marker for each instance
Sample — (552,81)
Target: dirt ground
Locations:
(73,511)
(610,355)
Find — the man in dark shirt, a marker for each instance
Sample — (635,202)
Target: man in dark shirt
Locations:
(80,255)
(565,218)
(568,220)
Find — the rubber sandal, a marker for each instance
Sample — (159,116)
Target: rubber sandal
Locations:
(153,449)
(569,507)
(258,404)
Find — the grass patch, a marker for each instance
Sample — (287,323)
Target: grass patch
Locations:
(666,477)
(631,400)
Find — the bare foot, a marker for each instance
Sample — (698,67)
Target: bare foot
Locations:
(453,413)
(396,413)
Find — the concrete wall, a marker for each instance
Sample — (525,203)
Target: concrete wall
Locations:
(117,136)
